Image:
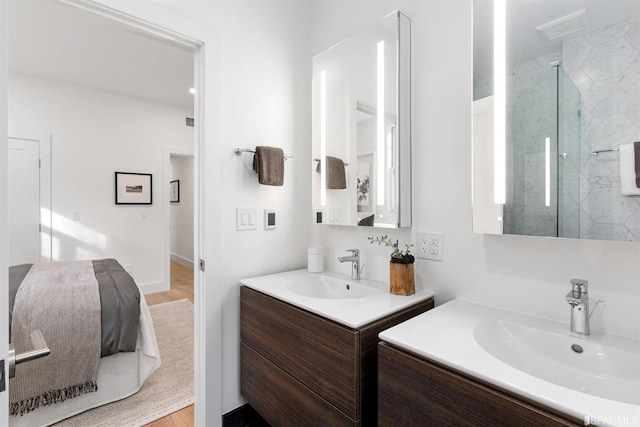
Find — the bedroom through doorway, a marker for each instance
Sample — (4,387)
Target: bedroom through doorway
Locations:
(112,97)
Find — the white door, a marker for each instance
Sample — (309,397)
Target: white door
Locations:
(24,201)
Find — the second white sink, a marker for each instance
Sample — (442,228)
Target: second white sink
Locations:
(587,365)
(532,357)
(326,287)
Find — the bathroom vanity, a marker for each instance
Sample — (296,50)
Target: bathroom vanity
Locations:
(479,365)
(312,360)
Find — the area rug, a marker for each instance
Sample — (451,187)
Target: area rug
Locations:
(168,389)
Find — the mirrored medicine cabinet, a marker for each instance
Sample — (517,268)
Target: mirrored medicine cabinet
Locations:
(550,121)
(361,143)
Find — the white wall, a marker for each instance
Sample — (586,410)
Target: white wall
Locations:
(267,100)
(182,211)
(94,134)
(527,274)
(257,54)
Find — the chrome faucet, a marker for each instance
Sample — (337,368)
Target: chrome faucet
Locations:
(578,299)
(355,262)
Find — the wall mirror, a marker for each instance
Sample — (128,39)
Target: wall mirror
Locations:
(361,144)
(556,110)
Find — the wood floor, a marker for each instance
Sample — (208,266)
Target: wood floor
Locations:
(181,287)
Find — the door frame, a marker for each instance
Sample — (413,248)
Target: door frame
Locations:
(4,209)
(45,142)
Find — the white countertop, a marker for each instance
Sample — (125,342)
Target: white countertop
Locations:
(352,312)
(446,335)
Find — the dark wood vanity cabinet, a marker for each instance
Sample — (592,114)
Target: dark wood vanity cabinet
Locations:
(298,368)
(414,391)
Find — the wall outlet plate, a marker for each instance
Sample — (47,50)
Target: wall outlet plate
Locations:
(430,246)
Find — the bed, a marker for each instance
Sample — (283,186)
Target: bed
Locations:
(100,332)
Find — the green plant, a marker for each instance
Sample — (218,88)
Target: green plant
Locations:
(396,255)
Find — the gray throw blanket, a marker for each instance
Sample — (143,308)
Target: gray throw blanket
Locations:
(62,300)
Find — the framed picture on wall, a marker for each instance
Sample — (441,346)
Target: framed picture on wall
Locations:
(133,188)
(174,191)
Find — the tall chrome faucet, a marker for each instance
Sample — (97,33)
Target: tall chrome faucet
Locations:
(355,262)
(578,299)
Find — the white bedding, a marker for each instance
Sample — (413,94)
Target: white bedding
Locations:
(119,376)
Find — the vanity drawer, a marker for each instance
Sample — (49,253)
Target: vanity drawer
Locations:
(411,388)
(317,352)
(281,399)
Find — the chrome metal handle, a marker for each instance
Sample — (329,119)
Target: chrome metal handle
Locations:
(40,349)
(354,252)
(580,286)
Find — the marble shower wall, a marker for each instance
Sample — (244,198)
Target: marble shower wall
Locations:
(605,66)
(531,116)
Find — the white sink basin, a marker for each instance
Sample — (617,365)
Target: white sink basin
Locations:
(326,287)
(335,296)
(531,357)
(586,365)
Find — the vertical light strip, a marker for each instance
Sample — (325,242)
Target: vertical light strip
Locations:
(323,138)
(547,171)
(380,134)
(499,101)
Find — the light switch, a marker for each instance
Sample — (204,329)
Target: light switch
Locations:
(246,218)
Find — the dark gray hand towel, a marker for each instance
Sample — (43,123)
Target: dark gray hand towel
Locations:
(268,162)
(336,177)
(636,150)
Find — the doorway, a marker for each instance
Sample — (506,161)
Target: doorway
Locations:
(181,214)
(29,198)
(136,27)
(24,201)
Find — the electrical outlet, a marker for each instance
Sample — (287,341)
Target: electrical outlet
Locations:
(430,246)
(423,245)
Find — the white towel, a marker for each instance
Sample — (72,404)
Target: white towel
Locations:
(628,171)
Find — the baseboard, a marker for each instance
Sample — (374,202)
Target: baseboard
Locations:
(181,260)
(153,287)
(243,416)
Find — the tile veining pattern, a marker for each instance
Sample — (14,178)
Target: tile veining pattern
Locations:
(605,66)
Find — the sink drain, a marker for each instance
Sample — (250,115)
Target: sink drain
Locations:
(577,348)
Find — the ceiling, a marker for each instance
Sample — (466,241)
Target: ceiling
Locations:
(52,40)
(523,16)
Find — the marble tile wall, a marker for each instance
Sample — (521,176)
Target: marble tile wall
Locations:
(605,66)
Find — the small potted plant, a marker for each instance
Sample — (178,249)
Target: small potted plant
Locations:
(400,267)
